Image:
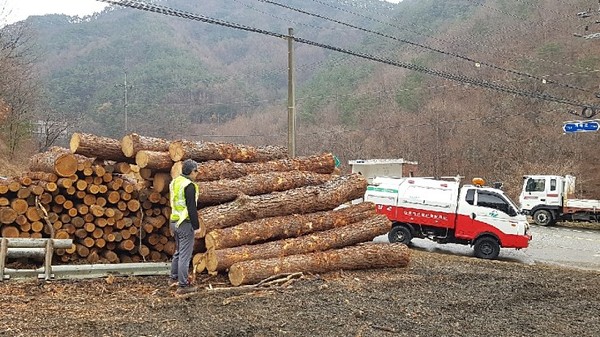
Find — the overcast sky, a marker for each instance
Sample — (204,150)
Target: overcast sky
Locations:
(17,10)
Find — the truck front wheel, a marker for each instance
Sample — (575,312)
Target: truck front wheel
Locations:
(487,248)
(542,217)
(400,234)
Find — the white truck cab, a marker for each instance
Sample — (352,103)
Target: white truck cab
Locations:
(445,212)
(551,198)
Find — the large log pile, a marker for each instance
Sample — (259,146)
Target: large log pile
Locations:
(111,198)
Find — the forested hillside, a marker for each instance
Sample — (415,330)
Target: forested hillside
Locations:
(466,87)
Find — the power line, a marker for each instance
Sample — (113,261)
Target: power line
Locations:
(544,80)
(451,42)
(588,110)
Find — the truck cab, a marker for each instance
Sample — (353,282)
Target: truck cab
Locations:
(551,198)
(445,212)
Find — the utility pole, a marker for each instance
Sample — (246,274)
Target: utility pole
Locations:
(126,87)
(291,97)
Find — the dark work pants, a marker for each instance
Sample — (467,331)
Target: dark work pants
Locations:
(184,247)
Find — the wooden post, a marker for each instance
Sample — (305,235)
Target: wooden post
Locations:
(3,252)
(48,259)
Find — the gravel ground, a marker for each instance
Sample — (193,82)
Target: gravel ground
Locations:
(436,295)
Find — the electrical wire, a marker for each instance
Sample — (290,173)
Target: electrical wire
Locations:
(480,63)
(588,110)
(449,42)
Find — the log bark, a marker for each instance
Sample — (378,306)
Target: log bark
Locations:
(367,256)
(226,169)
(301,200)
(289,226)
(63,164)
(362,231)
(224,190)
(133,143)
(203,151)
(101,148)
(159,161)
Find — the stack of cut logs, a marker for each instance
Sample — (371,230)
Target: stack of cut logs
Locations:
(261,213)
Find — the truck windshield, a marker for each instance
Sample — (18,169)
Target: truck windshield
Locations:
(535,185)
(497,201)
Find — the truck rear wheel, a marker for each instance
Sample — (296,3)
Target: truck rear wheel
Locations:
(542,217)
(400,234)
(487,248)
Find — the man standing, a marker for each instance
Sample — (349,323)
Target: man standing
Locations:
(184,224)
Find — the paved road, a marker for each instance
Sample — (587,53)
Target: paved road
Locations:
(579,248)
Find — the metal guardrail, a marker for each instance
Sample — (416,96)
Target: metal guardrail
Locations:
(44,248)
(62,272)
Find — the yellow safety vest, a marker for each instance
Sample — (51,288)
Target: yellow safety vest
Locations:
(179,211)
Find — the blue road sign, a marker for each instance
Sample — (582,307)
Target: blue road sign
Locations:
(581,126)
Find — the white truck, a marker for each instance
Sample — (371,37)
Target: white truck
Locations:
(445,212)
(550,198)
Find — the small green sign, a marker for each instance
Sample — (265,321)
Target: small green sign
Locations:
(337,161)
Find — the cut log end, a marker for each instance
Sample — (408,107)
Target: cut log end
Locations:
(176,151)
(74,143)
(141,159)
(127,146)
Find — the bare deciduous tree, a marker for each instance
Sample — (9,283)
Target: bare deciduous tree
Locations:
(17,89)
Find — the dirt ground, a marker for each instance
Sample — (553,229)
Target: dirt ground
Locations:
(436,295)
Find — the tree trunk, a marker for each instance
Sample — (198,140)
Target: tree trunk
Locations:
(225,169)
(289,226)
(101,148)
(204,151)
(362,231)
(296,201)
(224,190)
(159,161)
(365,256)
(133,143)
(60,163)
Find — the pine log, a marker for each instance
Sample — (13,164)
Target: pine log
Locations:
(176,169)
(224,190)
(288,226)
(226,169)
(366,256)
(7,215)
(101,148)
(296,201)
(160,182)
(159,161)
(203,151)
(133,143)
(23,193)
(9,232)
(45,176)
(19,205)
(362,231)
(63,164)
(199,262)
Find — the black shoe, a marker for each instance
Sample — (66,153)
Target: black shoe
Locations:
(185,290)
